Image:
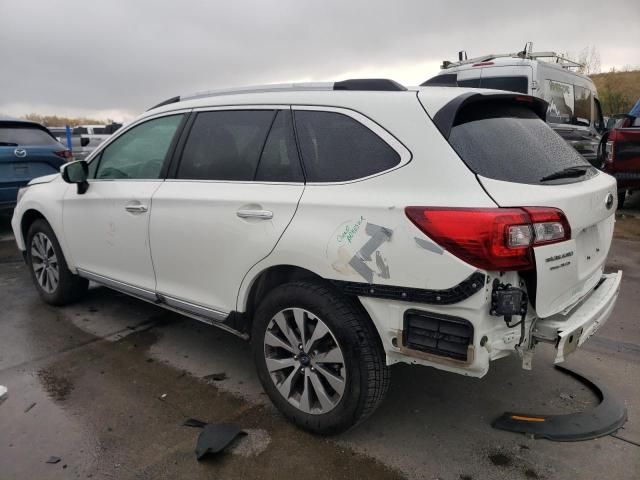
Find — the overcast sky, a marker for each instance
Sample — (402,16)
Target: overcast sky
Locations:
(115,58)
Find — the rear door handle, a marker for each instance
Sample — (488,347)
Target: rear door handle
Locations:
(261,214)
(136,208)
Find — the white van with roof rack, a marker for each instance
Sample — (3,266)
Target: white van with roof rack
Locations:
(342,228)
(574,109)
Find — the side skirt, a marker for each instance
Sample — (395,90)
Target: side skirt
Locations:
(232,322)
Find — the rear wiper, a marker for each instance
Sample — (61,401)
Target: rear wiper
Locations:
(575,171)
(8,144)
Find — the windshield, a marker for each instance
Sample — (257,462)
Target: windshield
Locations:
(25,136)
(508,142)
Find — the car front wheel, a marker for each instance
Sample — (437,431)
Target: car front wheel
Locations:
(55,283)
(318,357)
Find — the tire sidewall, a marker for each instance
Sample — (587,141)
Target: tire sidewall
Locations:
(346,412)
(41,226)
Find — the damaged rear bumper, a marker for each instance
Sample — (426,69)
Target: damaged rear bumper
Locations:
(570,331)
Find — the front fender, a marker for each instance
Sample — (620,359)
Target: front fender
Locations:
(47,200)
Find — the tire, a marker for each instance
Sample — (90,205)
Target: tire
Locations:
(42,243)
(622,196)
(330,390)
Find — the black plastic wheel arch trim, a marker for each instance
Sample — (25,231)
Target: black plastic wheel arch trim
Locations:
(607,417)
(472,284)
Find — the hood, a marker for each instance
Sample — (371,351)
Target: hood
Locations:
(44,179)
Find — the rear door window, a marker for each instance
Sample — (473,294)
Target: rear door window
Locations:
(508,142)
(279,161)
(225,145)
(336,147)
(25,136)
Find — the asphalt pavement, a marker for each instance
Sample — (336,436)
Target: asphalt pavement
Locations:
(105,384)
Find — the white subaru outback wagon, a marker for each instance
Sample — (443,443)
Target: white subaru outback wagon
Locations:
(341,227)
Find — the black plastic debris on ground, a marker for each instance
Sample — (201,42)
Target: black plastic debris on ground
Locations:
(53,460)
(216,377)
(194,422)
(215,437)
(607,417)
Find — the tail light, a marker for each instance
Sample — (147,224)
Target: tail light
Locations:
(492,238)
(610,152)
(66,154)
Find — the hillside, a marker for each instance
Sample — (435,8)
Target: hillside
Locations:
(618,91)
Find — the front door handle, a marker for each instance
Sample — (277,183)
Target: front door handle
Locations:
(136,208)
(261,214)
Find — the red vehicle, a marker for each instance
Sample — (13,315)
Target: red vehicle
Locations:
(621,155)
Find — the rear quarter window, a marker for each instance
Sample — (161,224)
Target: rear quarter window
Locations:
(513,84)
(336,147)
(444,80)
(511,143)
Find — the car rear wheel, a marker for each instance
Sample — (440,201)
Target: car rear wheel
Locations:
(318,357)
(55,283)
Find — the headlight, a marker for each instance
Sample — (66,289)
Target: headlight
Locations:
(21,192)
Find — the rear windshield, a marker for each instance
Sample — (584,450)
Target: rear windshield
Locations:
(511,143)
(27,136)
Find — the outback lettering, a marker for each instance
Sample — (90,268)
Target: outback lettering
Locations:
(559,257)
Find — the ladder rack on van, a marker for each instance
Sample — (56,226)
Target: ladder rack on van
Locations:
(561,60)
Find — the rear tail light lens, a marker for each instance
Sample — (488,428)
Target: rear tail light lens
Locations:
(492,238)
(519,236)
(549,225)
(66,154)
(610,151)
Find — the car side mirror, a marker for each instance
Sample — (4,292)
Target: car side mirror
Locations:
(84,141)
(76,172)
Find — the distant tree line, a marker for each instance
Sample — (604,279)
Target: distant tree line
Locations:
(56,121)
(618,90)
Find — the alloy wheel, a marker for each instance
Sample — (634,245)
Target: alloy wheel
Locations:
(44,262)
(304,361)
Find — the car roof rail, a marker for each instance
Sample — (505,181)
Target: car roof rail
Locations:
(168,101)
(356,84)
(370,84)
